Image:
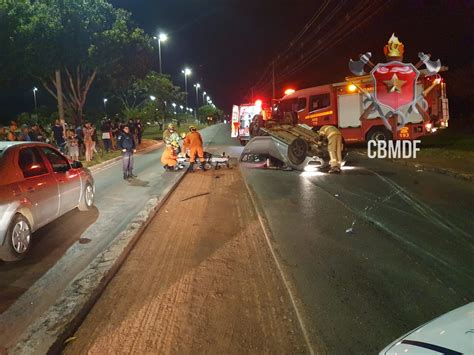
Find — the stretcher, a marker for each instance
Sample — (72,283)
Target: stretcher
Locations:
(210,161)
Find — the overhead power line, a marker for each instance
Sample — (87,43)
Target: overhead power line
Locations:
(316,38)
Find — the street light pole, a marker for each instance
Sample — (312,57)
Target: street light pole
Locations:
(197,86)
(203,98)
(161,38)
(35,89)
(186,72)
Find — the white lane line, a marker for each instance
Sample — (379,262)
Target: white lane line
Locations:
(286,282)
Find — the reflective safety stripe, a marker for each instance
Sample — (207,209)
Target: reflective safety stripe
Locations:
(329,131)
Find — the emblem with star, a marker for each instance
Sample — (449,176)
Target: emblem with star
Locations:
(394,84)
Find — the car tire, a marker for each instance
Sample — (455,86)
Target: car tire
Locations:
(379,134)
(87,200)
(297,151)
(17,240)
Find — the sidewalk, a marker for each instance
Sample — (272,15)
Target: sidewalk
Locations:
(200,279)
(100,161)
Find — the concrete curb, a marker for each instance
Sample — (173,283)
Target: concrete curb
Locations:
(48,333)
(106,163)
(433,169)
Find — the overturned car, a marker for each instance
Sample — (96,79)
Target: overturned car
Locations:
(287,147)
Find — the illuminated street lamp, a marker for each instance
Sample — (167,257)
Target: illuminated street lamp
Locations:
(197,86)
(203,97)
(35,89)
(105,103)
(181,107)
(186,72)
(152,98)
(161,38)
(174,107)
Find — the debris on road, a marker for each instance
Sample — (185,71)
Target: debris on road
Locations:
(198,195)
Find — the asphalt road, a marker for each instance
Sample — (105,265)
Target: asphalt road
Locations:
(64,247)
(372,253)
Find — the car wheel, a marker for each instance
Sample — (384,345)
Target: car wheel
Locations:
(297,151)
(87,201)
(18,239)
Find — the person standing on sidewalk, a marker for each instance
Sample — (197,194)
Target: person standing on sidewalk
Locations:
(106,135)
(126,144)
(88,141)
(139,131)
(58,135)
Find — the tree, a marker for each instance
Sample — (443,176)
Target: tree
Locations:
(66,44)
(150,97)
(162,89)
(209,114)
(13,16)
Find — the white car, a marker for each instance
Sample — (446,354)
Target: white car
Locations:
(450,334)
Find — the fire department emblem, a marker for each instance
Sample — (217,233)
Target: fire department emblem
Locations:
(394,83)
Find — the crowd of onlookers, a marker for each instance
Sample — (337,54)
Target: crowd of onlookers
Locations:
(75,142)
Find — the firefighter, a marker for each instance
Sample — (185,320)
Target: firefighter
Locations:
(184,149)
(169,159)
(193,142)
(170,135)
(334,137)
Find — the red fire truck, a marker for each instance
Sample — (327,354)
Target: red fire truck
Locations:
(342,105)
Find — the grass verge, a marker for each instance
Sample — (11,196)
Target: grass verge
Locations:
(448,149)
(103,157)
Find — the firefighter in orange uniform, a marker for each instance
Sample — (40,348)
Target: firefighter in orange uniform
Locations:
(169,159)
(334,138)
(193,142)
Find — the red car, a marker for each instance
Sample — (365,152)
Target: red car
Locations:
(37,185)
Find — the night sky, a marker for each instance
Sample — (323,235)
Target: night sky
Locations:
(229,44)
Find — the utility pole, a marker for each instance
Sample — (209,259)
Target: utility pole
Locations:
(273,80)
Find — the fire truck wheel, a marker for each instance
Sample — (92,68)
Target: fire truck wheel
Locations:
(379,134)
(297,151)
